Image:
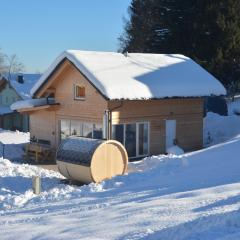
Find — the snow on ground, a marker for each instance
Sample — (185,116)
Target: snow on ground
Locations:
(218,129)
(234,107)
(191,196)
(13,143)
(177,197)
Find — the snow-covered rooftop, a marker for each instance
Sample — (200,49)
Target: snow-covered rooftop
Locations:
(23,89)
(140,76)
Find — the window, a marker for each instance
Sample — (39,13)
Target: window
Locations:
(118,133)
(143,138)
(65,128)
(80,129)
(130,139)
(79,92)
(87,130)
(134,136)
(97,131)
(76,128)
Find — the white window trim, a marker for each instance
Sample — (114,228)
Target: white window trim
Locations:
(74,92)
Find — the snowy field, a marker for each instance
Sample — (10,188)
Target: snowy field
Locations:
(191,196)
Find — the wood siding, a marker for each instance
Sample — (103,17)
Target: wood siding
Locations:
(42,126)
(187,112)
(89,110)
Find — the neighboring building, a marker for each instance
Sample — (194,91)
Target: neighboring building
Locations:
(15,87)
(152,101)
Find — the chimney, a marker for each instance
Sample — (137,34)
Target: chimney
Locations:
(20,79)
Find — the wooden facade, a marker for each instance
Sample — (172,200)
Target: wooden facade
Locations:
(45,123)
(187,112)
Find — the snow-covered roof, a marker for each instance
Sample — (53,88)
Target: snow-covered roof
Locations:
(140,76)
(23,89)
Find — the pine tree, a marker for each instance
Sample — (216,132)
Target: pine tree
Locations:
(208,31)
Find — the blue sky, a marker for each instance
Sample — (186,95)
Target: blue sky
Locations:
(38,31)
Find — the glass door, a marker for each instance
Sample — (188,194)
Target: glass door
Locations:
(134,136)
(130,139)
(143,142)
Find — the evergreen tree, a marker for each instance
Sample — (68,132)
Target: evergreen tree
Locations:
(208,31)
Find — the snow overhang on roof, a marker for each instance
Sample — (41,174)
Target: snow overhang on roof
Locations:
(33,104)
(138,75)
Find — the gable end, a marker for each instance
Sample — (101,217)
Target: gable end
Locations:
(58,67)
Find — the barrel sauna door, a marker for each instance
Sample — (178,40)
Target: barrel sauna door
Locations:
(109,160)
(115,164)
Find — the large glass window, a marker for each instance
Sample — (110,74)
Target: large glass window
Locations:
(134,137)
(87,130)
(118,133)
(81,129)
(130,139)
(65,128)
(76,128)
(97,131)
(142,139)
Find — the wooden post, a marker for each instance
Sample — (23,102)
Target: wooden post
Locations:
(36,185)
(107,125)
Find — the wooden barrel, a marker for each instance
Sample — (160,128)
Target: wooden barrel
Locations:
(91,160)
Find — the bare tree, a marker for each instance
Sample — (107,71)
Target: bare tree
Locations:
(10,64)
(13,65)
(2,65)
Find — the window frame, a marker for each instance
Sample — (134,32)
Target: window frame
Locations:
(75,92)
(137,137)
(82,126)
(137,140)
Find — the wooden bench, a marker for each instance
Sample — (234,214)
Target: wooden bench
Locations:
(39,153)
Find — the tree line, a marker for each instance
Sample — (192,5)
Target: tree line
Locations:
(208,31)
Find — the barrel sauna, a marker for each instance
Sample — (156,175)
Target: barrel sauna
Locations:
(91,160)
